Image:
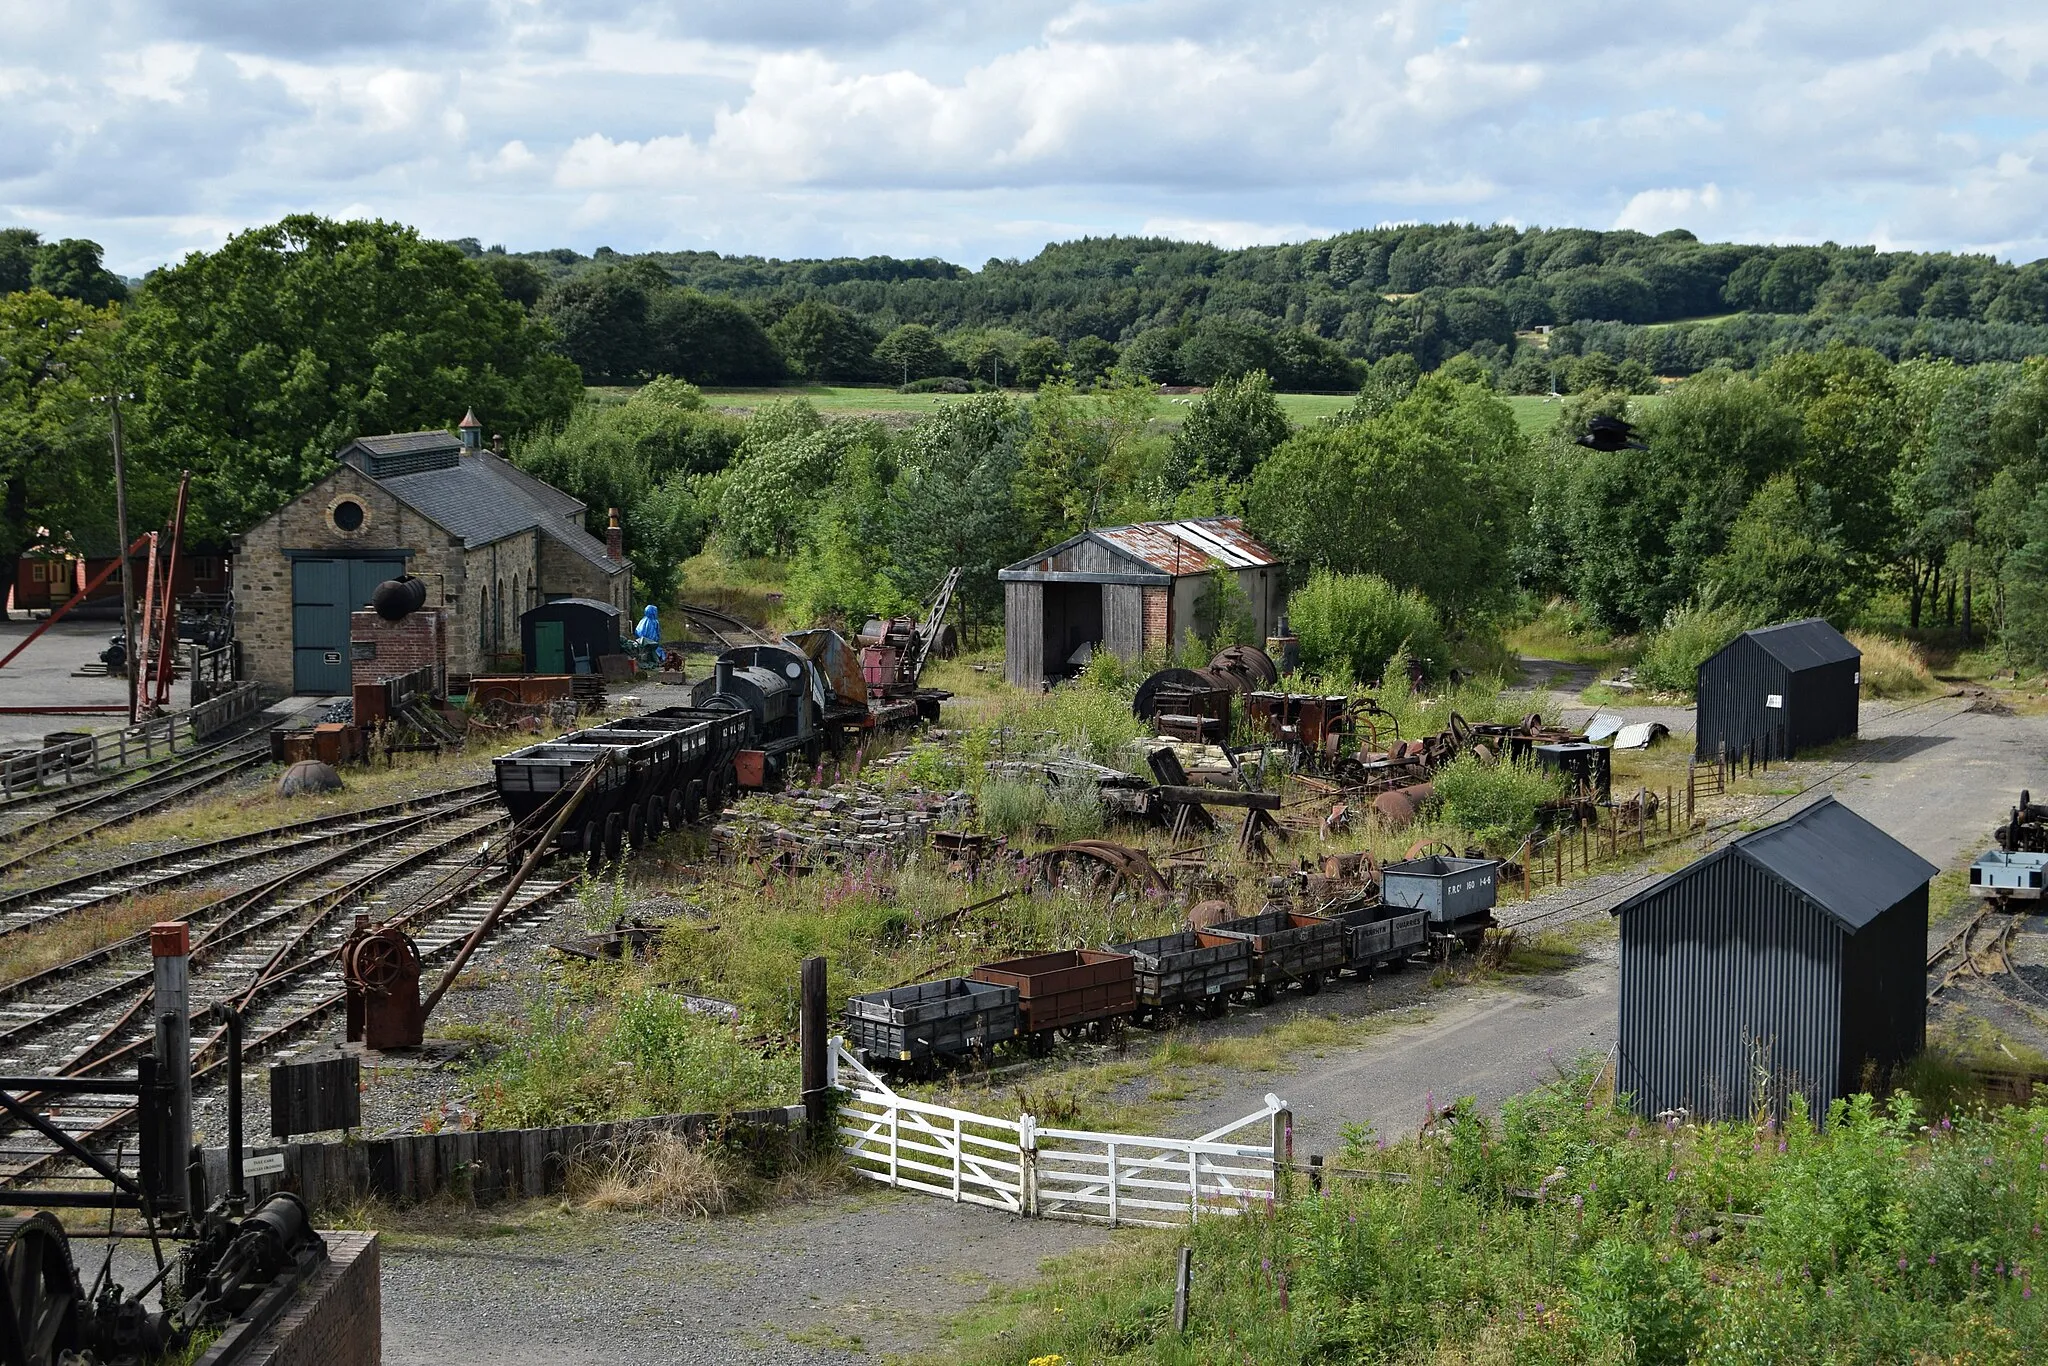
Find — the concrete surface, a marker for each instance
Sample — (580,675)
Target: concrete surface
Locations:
(41,677)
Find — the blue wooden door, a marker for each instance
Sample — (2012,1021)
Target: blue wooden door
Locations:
(324,592)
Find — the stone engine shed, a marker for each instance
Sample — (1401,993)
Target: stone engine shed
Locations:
(1128,589)
(488,540)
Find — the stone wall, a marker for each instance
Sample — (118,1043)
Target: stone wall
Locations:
(504,578)
(564,573)
(263,571)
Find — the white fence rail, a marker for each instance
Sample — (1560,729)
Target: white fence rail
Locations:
(1016,1166)
(74,761)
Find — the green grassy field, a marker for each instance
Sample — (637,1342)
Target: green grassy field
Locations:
(1532,412)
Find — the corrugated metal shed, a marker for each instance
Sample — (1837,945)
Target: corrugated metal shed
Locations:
(1779,690)
(1791,961)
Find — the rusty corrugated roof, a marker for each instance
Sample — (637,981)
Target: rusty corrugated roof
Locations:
(1189,547)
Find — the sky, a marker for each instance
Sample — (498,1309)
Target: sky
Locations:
(970,130)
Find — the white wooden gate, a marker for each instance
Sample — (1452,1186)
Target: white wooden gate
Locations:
(1017,1166)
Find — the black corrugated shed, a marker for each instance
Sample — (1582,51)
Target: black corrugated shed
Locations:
(1778,690)
(1794,959)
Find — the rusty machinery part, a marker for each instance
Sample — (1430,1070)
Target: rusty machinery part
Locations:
(1146,703)
(1431,849)
(1213,911)
(1100,864)
(1250,667)
(43,1290)
(377,960)
(2026,829)
(380,973)
(1397,810)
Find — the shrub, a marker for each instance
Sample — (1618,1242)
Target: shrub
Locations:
(1496,802)
(1356,622)
(1691,634)
(1009,807)
(1891,667)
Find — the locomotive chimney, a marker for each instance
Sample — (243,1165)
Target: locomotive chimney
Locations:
(615,538)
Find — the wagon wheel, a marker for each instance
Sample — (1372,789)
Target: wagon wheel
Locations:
(1263,993)
(1102,864)
(636,825)
(381,960)
(693,802)
(1072,1033)
(677,818)
(1215,1007)
(614,836)
(1311,983)
(587,840)
(1431,848)
(42,1286)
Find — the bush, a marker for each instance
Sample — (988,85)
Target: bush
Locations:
(1496,802)
(1691,634)
(1354,623)
(1891,667)
(1008,807)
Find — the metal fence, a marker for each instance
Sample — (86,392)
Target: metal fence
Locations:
(1021,1168)
(88,756)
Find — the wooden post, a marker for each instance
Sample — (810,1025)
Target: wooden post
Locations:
(1181,1281)
(815,1005)
(1559,852)
(1283,1153)
(1315,1172)
(1528,857)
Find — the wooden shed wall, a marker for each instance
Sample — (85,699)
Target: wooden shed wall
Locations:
(1024,634)
(1123,620)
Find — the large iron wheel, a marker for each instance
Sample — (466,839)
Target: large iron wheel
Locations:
(42,1288)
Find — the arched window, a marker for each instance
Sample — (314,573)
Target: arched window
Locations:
(498,617)
(483,625)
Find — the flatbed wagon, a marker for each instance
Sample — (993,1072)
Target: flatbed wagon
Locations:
(1183,972)
(1286,946)
(1066,990)
(914,1027)
(665,768)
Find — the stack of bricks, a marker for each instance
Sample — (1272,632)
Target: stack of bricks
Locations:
(380,649)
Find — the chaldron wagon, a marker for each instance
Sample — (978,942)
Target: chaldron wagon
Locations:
(1182,971)
(1380,934)
(915,1028)
(1286,946)
(1067,991)
(665,769)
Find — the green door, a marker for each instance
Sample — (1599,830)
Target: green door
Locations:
(548,657)
(324,592)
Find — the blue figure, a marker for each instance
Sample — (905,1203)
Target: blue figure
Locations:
(648,633)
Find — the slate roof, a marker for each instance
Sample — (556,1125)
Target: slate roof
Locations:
(1804,644)
(1829,855)
(473,495)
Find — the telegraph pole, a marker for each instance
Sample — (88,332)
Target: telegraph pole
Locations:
(113,402)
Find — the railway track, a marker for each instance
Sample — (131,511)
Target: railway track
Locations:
(28,907)
(1981,948)
(113,803)
(275,954)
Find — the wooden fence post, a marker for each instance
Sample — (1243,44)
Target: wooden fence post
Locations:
(1181,1281)
(1283,1153)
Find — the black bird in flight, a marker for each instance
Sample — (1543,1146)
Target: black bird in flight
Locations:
(1610,434)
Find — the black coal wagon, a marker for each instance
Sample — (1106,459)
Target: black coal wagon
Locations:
(1182,971)
(666,768)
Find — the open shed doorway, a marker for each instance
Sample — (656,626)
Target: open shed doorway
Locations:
(1073,619)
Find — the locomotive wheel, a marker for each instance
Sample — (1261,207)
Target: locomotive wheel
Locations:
(614,836)
(42,1285)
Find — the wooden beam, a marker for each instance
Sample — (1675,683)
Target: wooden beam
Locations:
(1218,796)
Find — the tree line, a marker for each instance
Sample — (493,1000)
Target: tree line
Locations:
(1307,313)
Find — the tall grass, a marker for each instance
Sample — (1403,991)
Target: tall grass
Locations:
(1892,667)
(1872,1239)
(1495,802)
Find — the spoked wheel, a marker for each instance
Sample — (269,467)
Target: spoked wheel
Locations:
(614,836)
(43,1287)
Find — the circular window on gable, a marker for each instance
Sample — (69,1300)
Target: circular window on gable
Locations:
(348,515)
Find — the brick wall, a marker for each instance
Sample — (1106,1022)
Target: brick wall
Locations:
(378,649)
(337,1318)
(1155,618)
(263,571)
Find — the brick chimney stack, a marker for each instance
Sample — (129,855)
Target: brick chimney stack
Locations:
(615,538)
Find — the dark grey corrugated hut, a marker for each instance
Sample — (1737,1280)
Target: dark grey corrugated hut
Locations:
(1800,951)
(1778,690)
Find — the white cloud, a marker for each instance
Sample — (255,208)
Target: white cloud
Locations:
(971,128)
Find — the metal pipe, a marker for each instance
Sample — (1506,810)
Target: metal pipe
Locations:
(540,851)
(233,1019)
